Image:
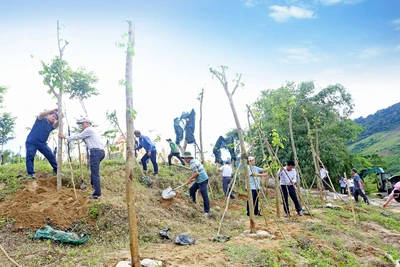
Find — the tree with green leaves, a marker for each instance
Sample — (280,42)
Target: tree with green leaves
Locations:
(7,124)
(329,109)
(55,75)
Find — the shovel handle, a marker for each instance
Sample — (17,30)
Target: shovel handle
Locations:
(178,187)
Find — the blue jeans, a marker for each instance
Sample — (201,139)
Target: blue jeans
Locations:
(293,196)
(31,150)
(204,193)
(96,156)
(254,194)
(226,180)
(153,158)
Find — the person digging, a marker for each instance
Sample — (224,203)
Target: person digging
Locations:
(200,175)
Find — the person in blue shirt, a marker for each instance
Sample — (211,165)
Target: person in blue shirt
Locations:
(200,175)
(46,122)
(342,183)
(255,184)
(151,151)
(358,187)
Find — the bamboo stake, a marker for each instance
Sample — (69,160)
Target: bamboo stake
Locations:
(8,257)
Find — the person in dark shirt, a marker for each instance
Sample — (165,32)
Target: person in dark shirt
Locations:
(151,151)
(46,122)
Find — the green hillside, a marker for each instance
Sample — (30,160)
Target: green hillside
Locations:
(381,136)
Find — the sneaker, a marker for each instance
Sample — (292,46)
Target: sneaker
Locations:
(258,214)
(206,214)
(287,215)
(300,213)
(94,197)
(31,176)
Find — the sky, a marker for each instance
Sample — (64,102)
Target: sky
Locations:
(352,42)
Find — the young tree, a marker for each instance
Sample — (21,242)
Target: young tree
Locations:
(200,98)
(130,113)
(7,123)
(55,75)
(221,76)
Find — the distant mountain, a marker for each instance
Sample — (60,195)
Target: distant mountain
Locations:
(381,136)
(383,120)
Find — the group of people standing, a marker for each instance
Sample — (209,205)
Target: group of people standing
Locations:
(48,120)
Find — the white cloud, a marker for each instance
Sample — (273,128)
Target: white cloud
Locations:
(250,3)
(284,13)
(370,52)
(396,21)
(299,55)
(334,2)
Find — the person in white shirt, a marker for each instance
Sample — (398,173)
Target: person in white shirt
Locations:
(324,176)
(226,171)
(96,148)
(287,176)
(350,181)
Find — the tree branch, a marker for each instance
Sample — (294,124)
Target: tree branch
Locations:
(52,89)
(218,76)
(237,84)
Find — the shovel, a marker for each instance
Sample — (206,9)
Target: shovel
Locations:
(169,192)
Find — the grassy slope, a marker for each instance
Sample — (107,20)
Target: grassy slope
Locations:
(329,238)
(383,143)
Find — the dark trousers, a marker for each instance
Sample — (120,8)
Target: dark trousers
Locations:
(178,155)
(293,196)
(254,194)
(359,192)
(31,152)
(153,158)
(226,181)
(325,183)
(96,156)
(343,190)
(204,193)
(352,190)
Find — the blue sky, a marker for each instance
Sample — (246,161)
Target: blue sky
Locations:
(352,42)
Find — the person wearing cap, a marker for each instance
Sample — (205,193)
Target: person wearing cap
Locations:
(46,122)
(358,187)
(96,152)
(151,151)
(287,176)
(394,195)
(174,152)
(226,171)
(342,183)
(255,184)
(200,175)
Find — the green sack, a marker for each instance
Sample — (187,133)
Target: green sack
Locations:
(47,232)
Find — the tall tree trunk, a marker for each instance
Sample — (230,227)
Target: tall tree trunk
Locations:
(297,167)
(222,78)
(130,192)
(60,111)
(319,184)
(201,125)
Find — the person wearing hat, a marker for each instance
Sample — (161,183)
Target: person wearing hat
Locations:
(342,183)
(200,175)
(255,184)
(358,187)
(226,171)
(96,152)
(287,176)
(394,195)
(174,152)
(151,151)
(46,122)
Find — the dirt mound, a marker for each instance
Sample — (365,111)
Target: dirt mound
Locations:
(38,202)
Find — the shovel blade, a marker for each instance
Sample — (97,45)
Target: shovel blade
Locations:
(168,193)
